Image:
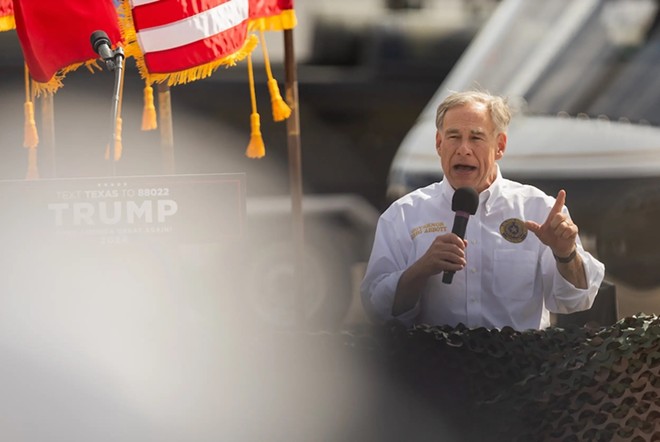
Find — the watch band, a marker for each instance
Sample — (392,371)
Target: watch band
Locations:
(567,259)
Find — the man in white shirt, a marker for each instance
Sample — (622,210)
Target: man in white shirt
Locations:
(521,257)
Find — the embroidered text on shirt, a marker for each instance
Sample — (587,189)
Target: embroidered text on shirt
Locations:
(428,228)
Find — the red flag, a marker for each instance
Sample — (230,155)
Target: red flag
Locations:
(269,8)
(272,15)
(6,15)
(54,35)
(186,40)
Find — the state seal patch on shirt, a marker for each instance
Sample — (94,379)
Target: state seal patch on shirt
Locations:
(513,230)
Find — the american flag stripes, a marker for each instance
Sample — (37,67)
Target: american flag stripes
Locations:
(185,40)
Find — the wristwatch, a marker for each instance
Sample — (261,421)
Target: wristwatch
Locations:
(566,259)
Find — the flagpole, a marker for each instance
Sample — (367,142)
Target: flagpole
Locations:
(166,128)
(295,174)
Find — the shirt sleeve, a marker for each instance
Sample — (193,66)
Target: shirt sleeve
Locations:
(389,257)
(563,297)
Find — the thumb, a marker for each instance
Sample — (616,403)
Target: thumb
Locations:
(533,226)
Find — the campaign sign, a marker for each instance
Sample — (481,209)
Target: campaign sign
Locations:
(178,209)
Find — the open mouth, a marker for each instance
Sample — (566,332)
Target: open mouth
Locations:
(464,168)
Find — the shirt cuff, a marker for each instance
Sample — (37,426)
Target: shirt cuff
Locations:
(571,299)
(379,299)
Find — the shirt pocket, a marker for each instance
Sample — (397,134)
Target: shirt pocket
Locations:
(513,274)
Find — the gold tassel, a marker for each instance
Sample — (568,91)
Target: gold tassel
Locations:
(117,140)
(149,121)
(7,23)
(281,110)
(256,148)
(30,135)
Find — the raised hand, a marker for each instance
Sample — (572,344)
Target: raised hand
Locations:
(558,231)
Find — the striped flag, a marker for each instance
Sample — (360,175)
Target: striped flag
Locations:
(179,41)
(6,15)
(54,35)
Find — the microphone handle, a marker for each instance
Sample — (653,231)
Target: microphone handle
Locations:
(459,227)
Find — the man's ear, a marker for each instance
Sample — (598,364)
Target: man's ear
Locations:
(438,141)
(501,145)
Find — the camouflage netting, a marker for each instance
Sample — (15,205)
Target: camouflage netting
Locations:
(559,384)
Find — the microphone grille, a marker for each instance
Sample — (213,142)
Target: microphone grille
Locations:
(465,199)
(98,38)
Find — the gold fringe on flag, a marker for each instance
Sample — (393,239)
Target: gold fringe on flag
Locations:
(281,110)
(149,120)
(256,148)
(7,23)
(56,82)
(285,20)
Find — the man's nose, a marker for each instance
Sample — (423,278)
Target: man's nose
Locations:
(464,148)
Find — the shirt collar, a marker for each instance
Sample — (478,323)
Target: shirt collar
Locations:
(486,198)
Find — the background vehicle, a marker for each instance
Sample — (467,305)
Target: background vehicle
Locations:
(582,77)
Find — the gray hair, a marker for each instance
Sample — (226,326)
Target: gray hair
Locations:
(498,107)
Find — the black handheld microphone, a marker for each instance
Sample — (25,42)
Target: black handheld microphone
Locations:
(464,203)
(101,45)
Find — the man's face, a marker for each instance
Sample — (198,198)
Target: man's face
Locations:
(469,146)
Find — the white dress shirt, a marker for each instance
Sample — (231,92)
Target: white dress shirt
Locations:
(504,283)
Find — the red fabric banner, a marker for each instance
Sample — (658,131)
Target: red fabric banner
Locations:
(54,35)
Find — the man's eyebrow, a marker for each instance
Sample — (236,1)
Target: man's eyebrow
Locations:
(472,131)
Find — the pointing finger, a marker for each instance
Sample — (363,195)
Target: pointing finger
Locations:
(559,203)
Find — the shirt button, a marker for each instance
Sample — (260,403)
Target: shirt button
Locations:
(473,270)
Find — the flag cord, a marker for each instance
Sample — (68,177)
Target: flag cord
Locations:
(281,111)
(256,148)
(253,97)
(30,135)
